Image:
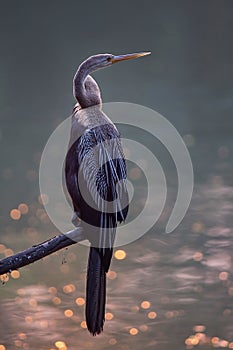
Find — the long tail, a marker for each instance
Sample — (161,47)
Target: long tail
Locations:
(95,293)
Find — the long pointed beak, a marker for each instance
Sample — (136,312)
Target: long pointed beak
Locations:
(119,58)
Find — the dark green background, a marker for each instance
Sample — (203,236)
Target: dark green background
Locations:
(188,79)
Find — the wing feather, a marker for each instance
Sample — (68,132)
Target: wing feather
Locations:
(99,182)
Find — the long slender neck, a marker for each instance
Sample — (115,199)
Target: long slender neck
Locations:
(86,90)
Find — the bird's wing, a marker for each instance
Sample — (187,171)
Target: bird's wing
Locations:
(102,174)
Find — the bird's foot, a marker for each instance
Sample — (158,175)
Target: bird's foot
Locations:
(76,221)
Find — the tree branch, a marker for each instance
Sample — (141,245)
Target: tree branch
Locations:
(39,251)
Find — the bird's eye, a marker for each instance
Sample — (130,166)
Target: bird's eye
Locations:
(109,59)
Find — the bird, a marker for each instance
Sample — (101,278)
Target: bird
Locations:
(95,176)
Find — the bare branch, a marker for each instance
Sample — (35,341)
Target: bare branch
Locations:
(39,251)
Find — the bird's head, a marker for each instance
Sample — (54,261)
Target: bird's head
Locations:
(104,60)
(86,90)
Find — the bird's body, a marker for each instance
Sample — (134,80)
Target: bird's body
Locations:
(99,224)
(95,173)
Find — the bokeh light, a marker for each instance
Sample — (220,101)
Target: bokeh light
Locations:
(83,324)
(133,331)
(80,301)
(23,208)
(15,274)
(68,313)
(145,304)
(109,316)
(120,254)
(15,214)
(152,315)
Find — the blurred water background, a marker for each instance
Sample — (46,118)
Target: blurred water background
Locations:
(164,291)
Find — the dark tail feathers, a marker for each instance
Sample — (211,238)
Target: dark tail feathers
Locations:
(95,293)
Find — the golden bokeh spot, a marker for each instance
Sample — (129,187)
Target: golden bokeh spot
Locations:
(198,256)
(215,340)
(223,343)
(43,199)
(152,315)
(23,208)
(223,276)
(52,290)
(56,301)
(111,275)
(197,227)
(22,336)
(60,345)
(69,288)
(112,341)
(133,331)
(15,214)
(68,313)
(201,337)
(120,254)
(2,347)
(4,278)
(145,304)
(15,274)
(80,301)
(194,340)
(83,324)
(109,316)
(32,302)
(28,319)
(188,341)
